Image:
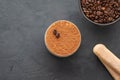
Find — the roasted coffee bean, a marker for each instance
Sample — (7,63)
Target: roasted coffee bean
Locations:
(110,19)
(96,21)
(118,9)
(101,11)
(96,17)
(57,35)
(116,16)
(54,32)
(98,2)
(99,8)
(108,9)
(103,8)
(83,2)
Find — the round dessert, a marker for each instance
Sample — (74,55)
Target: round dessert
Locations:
(62,38)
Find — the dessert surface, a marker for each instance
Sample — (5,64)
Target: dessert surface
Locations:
(62,38)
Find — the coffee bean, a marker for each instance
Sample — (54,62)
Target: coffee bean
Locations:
(116,16)
(99,7)
(110,19)
(90,0)
(98,2)
(118,9)
(99,13)
(54,32)
(103,8)
(108,9)
(96,17)
(83,2)
(96,21)
(57,35)
(106,12)
(102,11)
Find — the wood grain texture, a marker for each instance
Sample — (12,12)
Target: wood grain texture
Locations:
(110,61)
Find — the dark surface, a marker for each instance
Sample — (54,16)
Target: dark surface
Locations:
(23,55)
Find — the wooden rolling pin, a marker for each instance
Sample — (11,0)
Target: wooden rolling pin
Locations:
(110,61)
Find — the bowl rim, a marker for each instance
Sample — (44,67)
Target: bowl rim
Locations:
(104,24)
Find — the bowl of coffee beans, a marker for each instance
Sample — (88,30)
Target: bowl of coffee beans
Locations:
(101,12)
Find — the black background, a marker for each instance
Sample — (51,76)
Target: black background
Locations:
(23,55)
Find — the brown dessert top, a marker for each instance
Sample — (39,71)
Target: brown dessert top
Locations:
(62,38)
